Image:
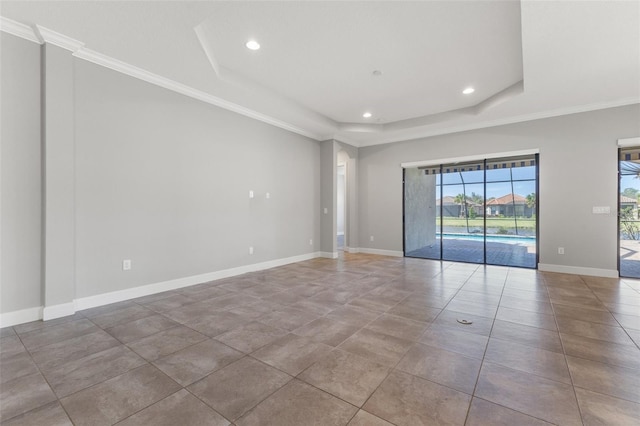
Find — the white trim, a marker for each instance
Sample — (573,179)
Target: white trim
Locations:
(44,35)
(18,29)
(628,142)
(41,35)
(149,77)
(60,40)
(352,249)
(499,122)
(393,253)
(578,270)
(145,290)
(426,163)
(329,255)
(58,311)
(20,317)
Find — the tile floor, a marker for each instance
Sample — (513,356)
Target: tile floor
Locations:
(364,340)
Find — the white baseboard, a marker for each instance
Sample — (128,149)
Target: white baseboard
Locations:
(58,311)
(393,253)
(578,270)
(146,290)
(20,317)
(352,249)
(329,255)
(51,312)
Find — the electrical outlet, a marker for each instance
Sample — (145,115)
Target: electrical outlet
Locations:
(250,194)
(560,250)
(310,242)
(126,264)
(250,250)
(371,238)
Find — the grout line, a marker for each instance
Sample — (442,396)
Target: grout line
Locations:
(475,386)
(564,353)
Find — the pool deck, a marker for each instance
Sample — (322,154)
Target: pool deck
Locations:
(520,255)
(498,253)
(630,258)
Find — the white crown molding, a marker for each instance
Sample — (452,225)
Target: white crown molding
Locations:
(60,40)
(18,29)
(343,140)
(502,122)
(44,35)
(149,77)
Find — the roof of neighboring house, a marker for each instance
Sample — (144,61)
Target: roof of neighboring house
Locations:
(507,199)
(447,200)
(628,200)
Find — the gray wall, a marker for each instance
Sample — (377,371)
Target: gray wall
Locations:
(578,170)
(159,178)
(20,174)
(164,180)
(59,176)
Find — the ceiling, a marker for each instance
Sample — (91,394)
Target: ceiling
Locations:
(316,70)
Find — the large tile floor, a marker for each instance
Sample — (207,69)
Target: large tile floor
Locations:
(364,340)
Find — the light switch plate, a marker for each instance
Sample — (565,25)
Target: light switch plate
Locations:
(601,210)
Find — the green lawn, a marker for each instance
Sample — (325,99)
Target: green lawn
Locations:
(492,222)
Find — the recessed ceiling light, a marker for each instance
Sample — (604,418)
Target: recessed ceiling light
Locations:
(377,73)
(468,90)
(253,45)
(367,115)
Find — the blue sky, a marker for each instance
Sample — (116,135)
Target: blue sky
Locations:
(496,185)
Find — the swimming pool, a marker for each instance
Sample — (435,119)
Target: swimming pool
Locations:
(510,239)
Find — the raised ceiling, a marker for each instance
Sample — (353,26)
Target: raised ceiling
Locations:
(323,55)
(314,72)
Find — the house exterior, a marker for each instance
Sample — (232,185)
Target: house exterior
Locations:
(509,205)
(626,202)
(450,208)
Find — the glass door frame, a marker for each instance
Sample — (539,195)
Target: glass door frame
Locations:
(441,209)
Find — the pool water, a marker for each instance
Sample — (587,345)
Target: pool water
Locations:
(515,239)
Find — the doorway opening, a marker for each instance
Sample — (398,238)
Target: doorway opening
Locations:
(482,211)
(628,220)
(341,202)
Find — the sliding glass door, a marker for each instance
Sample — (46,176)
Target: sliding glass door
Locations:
(628,219)
(480,212)
(462,222)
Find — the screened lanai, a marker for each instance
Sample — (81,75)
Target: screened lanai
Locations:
(482,211)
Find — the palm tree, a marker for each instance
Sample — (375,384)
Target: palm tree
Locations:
(461,199)
(531,201)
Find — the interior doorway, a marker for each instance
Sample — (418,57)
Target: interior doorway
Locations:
(341,203)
